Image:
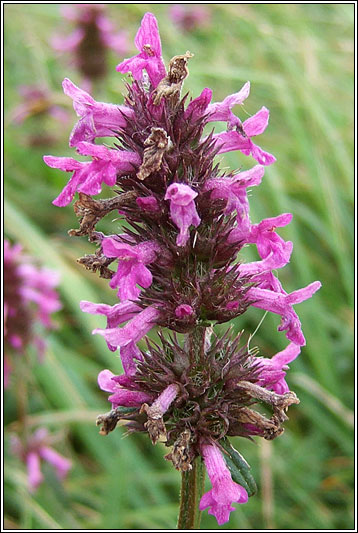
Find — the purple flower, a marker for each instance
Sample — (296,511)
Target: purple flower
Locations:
(197,107)
(120,396)
(234,191)
(149,58)
(131,266)
(165,399)
(116,314)
(182,209)
(148,203)
(241,140)
(97,119)
(88,176)
(34,474)
(33,451)
(274,251)
(222,110)
(183,310)
(273,371)
(281,304)
(133,331)
(225,491)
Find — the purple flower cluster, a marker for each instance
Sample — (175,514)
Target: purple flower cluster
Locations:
(178,266)
(92,36)
(30,299)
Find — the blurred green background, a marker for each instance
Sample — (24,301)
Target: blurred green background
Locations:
(299,59)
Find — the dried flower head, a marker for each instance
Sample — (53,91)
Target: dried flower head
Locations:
(176,266)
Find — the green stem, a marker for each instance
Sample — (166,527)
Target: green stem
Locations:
(192,488)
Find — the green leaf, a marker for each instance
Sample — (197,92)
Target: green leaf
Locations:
(240,470)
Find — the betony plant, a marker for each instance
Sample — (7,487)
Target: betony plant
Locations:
(176,266)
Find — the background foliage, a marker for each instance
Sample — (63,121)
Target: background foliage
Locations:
(299,59)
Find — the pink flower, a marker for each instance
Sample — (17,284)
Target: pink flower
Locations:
(281,303)
(274,251)
(237,140)
(273,371)
(149,58)
(131,266)
(97,119)
(148,203)
(165,399)
(107,381)
(218,111)
(133,331)
(116,314)
(88,176)
(89,14)
(183,310)
(198,107)
(225,491)
(234,191)
(222,110)
(182,209)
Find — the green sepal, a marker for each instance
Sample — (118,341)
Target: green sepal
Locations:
(240,470)
(123,411)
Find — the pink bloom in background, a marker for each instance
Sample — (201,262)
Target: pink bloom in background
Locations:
(92,37)
(38,105)
(30,299)
(225,491)
(190,17)
(38,100)
(36,449)
(182,209)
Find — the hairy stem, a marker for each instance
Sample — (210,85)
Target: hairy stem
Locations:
(192,484)
(192,487)
(196,346)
